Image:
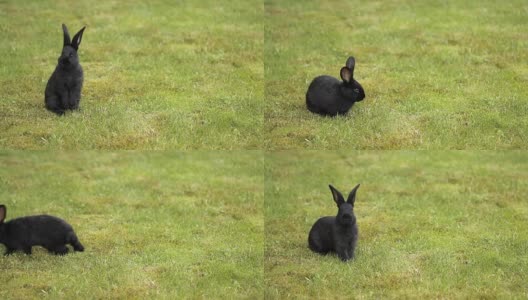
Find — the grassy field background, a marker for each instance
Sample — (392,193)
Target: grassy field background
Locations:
(437,74)
(162,225)
(431,224)
(158,74)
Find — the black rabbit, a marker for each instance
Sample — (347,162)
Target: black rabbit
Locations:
(327,95)
(337,234)
(63,90)
(49,232)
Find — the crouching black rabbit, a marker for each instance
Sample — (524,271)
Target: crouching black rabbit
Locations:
(63,91)
(337,234)
(49,232)
(327,95)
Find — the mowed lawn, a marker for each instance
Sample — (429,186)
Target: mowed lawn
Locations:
(437,74)
(436,224)
(167,225)
(158,74)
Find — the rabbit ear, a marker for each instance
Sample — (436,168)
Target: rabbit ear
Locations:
(2,213)
(346,74)
(351,64)
(338,198)
(67,40)
(77,39)
(352,196)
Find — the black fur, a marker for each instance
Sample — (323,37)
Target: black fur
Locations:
(327,95)
(49,232)
(337,234)
(63,91)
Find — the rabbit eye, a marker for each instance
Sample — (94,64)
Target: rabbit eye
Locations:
(356,90)
(71,54)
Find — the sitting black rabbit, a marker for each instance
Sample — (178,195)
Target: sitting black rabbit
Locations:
(327,95)
(337,234)
(49,232)
(63,90)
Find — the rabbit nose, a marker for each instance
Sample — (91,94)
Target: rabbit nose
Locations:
(347,216)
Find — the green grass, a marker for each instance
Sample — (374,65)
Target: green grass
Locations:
(158,75)
(155,225)
(437,74)
(436,224)
(233,74)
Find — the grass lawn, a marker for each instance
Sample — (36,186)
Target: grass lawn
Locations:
(437,74)
(158,74)
(436,224)
(159,224)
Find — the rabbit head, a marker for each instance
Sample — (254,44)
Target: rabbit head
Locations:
(351,88)
(69,55)
(345,213)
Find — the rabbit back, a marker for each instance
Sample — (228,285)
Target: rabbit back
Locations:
(324,97)
(321,237)
(43,230)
